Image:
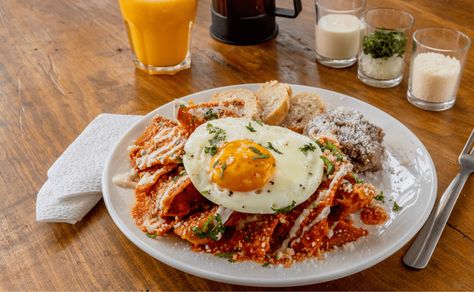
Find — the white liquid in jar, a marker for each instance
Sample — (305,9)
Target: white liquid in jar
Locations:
(338,36)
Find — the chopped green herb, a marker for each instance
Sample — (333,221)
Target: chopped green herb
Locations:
(307,147)
(265,264)
(332,148)
(259,122)
(219,135)
(223,166)
(260,155)
(286,209)
(210,150)
(328,164)
(251,128)
(210,115)
(211,229)
(226,255)
(396,207)
(151,235)
(270,146)
(205,192)
(357,179)
(215,164)
(179,159)
(380,197)
(182,173)
(182,105)
(384,44)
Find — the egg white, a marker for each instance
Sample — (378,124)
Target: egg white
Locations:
(297,174)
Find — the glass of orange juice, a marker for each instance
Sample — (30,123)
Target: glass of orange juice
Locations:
(159,33)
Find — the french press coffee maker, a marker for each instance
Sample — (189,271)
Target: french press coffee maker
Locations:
(246,22)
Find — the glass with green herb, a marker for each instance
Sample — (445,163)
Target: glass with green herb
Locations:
(384,42)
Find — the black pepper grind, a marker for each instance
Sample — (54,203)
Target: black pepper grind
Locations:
(247,22)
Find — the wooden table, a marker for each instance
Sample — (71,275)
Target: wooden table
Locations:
(64,62)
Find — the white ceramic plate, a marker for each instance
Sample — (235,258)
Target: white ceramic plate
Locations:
(409,177)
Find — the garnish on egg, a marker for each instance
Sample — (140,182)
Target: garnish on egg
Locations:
(308,147)
(219,135)
(247,165)
(271,147)
(250,128)
(260,155)
(286,209)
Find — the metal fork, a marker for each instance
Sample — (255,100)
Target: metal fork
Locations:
(419,254)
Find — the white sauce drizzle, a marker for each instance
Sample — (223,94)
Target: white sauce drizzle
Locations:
(331,229)
(224,213)
(160,154)
(152,224)
(160,137)
(171,186)
(345,168)
(324,214)
(127,180)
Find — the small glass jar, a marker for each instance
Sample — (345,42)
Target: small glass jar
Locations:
(436,67)
(337,31)
(384,42)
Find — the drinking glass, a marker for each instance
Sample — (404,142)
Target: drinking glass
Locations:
(159,33)
(337,31)
(437,63)
(385,37)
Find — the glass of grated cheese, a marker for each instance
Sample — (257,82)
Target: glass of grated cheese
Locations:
(384,41)
(436,67)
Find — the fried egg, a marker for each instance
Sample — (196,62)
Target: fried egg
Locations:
(250,167)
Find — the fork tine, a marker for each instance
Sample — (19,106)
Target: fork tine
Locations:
(467,147)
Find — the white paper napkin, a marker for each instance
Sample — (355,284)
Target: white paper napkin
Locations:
(74,180)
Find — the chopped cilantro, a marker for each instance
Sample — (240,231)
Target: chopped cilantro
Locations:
(259,122)
(384,44)
(270,146)
(219,135)
(260,155)
(210,150)
(265,264)
(380,197)
(223,167)
(286,209)
(205,192)
(211,229)
(307,147)
(182,173)
(151,235)
(396,207)
(182,105)
(332,148)
(251,128)
(210,115)
(226,255)
(357,179)
(328,164)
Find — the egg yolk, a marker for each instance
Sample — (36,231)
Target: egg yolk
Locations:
(242,166)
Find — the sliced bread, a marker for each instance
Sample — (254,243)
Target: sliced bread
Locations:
(252,108)
(303,108)
(275,100)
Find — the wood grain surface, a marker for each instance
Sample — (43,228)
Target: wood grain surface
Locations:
(64,62)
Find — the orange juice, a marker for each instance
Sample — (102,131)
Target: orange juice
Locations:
(159,33)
